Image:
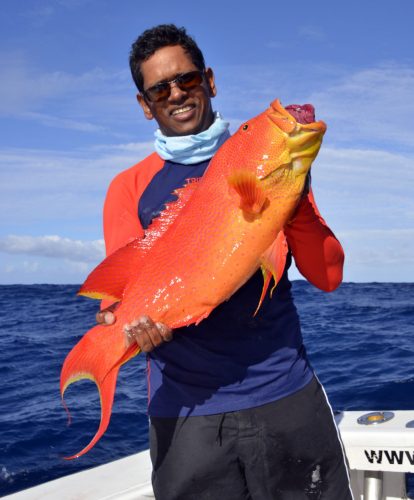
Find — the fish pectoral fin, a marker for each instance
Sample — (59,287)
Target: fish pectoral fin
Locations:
(253,197)
(273,263)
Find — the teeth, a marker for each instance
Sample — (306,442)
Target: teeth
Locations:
(181,110)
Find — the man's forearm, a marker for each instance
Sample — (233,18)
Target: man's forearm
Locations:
(318,254)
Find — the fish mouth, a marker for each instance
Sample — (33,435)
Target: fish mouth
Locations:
(289,124)
(303,139)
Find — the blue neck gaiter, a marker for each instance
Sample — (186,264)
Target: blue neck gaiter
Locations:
(190,149)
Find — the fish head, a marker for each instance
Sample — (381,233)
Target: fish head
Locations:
(278,148)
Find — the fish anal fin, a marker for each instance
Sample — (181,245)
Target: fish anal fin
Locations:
(253,197)
(273,263)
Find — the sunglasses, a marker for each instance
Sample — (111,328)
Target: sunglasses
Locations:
(162,90)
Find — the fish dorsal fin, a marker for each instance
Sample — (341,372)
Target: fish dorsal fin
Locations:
(253,197)
(273,264)
(109,279)
(172,209)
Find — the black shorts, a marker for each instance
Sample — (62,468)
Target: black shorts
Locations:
(285,450)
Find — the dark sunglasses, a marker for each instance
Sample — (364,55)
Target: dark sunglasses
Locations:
(162,90)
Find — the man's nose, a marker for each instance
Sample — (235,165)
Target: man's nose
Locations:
(176,93)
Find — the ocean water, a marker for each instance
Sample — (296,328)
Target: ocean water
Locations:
(360,340)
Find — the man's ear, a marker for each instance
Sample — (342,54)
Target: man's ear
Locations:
(210,82)
(145,108)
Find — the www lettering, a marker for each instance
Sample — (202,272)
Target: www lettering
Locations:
(373,456)
(391,456)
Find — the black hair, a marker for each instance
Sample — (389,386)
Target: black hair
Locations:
(155,38)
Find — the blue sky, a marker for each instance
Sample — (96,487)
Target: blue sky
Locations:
(69,119)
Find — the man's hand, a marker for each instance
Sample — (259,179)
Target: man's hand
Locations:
(107,316)
(146,333)
(142,331)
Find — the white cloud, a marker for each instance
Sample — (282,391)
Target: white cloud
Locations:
(30,267)
(309,33)
(365,189)
(375,255)
(54,121)
(141,148)
(94,101)
(53,246)
(369,108)
(47,259)
(25,87)
(366,197)
(60,191)
(312,33)
(43,11)
(380,247)
(275,44)
(372,105)
(27,269)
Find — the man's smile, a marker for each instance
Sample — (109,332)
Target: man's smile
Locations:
(183,109)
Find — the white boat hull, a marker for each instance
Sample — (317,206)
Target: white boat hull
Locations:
(379,455)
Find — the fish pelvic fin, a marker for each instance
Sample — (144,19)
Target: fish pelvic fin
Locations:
(273,263)
(253,197)
(98,357)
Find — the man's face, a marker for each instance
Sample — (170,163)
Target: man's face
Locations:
(184,112)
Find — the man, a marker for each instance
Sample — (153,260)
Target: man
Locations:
(236,411)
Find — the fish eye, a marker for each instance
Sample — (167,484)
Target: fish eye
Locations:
(245,127)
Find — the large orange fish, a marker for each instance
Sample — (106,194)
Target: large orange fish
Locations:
(204,246)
